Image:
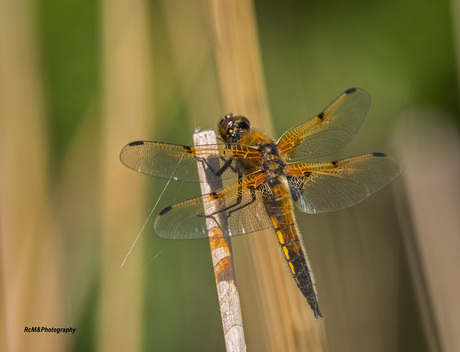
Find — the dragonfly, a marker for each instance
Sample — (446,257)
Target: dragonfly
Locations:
(267,178)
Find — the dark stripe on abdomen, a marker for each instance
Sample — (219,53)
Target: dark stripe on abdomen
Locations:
(279,209)
(298,266)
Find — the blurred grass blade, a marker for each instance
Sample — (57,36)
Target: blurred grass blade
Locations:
(126,109)
(428,144)
(30,259)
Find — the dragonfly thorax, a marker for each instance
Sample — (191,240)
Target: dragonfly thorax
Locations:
(273,164)
(268,150)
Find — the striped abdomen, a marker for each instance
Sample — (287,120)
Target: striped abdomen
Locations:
(280,211)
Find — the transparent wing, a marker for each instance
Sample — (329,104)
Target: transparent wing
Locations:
(243,212)
(331,186)
(329,131)
(179,162)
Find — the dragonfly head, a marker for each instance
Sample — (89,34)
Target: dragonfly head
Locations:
(231,128)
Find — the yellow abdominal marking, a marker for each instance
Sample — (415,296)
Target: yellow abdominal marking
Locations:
(280,236)
(286,252)
(292,268)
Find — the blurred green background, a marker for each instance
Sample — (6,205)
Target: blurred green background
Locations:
(80,79)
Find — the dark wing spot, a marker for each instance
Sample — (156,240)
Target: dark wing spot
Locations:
(187,148)
(214,195)
(321,116)
(379,154)
(307,173)
(334,163)
(295,189)
(165,210)
(132,144)
(351,90)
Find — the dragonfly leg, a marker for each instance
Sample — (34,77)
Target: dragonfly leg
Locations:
(253,199)
(225,166)
(238,202)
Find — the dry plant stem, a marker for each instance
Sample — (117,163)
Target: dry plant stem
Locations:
(221,252)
